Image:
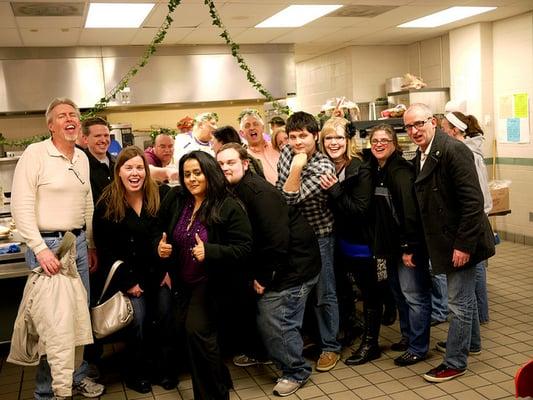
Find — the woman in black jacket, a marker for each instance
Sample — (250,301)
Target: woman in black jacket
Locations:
(350,192)
(125,224)
(399,242)
(207,234)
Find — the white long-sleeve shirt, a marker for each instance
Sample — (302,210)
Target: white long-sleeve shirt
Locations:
(50,193)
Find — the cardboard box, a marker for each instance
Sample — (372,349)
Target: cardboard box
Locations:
(500,200)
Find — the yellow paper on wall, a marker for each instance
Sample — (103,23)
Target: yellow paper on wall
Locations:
(521,105)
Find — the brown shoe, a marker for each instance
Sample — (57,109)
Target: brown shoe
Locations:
(327,361)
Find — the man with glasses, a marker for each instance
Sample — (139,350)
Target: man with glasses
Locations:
(52,195)
(456,229)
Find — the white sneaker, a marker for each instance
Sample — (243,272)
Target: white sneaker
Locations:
(286,387)
(87,388)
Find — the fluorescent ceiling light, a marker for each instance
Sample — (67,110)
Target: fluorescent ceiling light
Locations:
(117,15)
(445,17)
(295,16)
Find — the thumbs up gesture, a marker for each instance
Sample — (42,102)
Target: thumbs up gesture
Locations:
(163,248)
(198,251)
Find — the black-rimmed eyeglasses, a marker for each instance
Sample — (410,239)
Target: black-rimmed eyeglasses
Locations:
(416,124)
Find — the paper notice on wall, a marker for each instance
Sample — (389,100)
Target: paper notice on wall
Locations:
(506,107)
(520,105)
(513,124)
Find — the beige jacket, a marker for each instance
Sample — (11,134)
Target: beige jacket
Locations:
(53,318)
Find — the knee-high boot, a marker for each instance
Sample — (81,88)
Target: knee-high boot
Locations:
(369,349)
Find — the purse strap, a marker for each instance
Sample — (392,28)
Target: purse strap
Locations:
(112,271)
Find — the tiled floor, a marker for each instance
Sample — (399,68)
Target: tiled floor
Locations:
(507,344)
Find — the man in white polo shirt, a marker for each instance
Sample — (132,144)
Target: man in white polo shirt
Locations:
(51,195)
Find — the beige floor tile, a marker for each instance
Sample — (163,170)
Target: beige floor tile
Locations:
(453,386)
(406,395)
(324,377)
(332,387)
(368,392)
(430,391)
(495,376)
(493,392)
(507,344)
(345,395)
(309,392)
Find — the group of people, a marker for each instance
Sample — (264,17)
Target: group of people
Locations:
(251,237)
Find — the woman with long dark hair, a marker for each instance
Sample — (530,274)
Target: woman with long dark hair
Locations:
(207,234)
(125,225)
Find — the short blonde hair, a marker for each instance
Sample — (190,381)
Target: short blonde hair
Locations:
(331,126)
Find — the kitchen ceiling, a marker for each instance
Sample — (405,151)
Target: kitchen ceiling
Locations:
(367,22)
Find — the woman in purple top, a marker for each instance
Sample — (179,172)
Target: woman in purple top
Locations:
(207,236)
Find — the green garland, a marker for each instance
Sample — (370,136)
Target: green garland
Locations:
(240,60)
(158,38)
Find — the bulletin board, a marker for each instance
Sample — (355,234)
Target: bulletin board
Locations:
(513,118)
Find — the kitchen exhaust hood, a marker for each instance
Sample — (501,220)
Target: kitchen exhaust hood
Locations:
(31,77)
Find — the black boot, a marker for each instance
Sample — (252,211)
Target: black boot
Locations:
(369,349)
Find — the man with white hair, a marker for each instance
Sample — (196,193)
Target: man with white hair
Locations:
(199,139)
(252,128)
(51,196)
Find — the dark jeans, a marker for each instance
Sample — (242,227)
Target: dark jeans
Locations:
(150,337)
(197,316)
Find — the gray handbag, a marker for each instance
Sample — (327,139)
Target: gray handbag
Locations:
(113,314)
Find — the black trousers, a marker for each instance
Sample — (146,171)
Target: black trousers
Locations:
(196,316)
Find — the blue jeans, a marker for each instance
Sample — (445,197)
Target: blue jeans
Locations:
(411,288)
(279,321)
(463,333)
(439,298)
(326,307)
(481,292)
(43,378)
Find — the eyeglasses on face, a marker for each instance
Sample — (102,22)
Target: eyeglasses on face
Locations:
(375,142)
(416,124)
(336,138)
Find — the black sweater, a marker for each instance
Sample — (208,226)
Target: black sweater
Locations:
(350,202)
(129,240)
(285,250)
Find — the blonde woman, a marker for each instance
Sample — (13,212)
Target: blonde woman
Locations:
(350,191)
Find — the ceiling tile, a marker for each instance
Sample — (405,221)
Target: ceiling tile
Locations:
(235,15)
(50,37)
(7,20)
(10,37)
(260,35)
(145,35)
(208,35)
(304,35)
(185,15)
(50,22)
(106,37)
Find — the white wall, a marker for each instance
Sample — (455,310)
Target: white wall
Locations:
(359,72)
(513,73)
(323,77)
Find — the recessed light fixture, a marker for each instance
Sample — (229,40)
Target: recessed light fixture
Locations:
(297,15)
(117,15)
(445,17)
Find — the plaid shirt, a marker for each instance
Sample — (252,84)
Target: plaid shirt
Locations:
(310,199)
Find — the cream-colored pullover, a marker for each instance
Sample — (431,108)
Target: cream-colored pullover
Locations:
(50,193)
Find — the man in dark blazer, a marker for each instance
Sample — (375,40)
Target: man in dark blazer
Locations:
(285,266)
(456,229)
